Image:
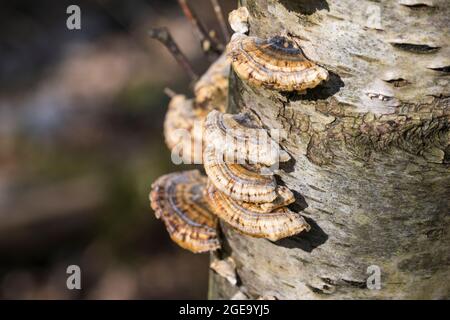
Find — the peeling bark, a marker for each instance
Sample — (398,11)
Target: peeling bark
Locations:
(370,148)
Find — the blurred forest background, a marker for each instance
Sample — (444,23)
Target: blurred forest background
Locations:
(81,118)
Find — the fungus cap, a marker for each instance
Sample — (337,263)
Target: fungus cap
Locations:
(183,129)
(212,88)
(179,200)
(250,219)
(274,63)
(284,197)
(239,181)
(239,139)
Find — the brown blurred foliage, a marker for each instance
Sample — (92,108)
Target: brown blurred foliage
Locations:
(81,116)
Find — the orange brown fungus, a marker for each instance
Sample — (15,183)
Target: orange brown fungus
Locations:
(212,88)
(244,182)
(241,189)
(239,181)
(252,220)
(183,124)
(239,139)
(178,199)
(183,129)
(274,63)
(284,198)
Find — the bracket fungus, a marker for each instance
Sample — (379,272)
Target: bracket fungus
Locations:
(253,220)
(239,181)
(183,124)
(239,139)
(243,182)
(284,197)
(212,88)
(183,129)
(236,151)
(274,63)
(179,200)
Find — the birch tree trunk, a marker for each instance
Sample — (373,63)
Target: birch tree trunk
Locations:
(370,148)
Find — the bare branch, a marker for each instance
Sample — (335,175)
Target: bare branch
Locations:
(221,19)
(209,44)
(164,36)
(169,92)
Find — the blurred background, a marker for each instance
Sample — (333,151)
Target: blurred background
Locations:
(81,118)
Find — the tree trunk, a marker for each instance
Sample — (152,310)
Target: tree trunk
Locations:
(370,148)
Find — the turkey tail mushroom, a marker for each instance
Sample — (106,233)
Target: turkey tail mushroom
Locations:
(239,139)
(253,220)
(212,88)
(239,181)
(274,63)
(178,199)
(183,129)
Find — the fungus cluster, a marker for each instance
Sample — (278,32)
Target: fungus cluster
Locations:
(183,124)
(239,192)
(237,153)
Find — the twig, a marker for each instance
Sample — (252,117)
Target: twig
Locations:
(169,92)
(220,18)
(164,36)
(209,44)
